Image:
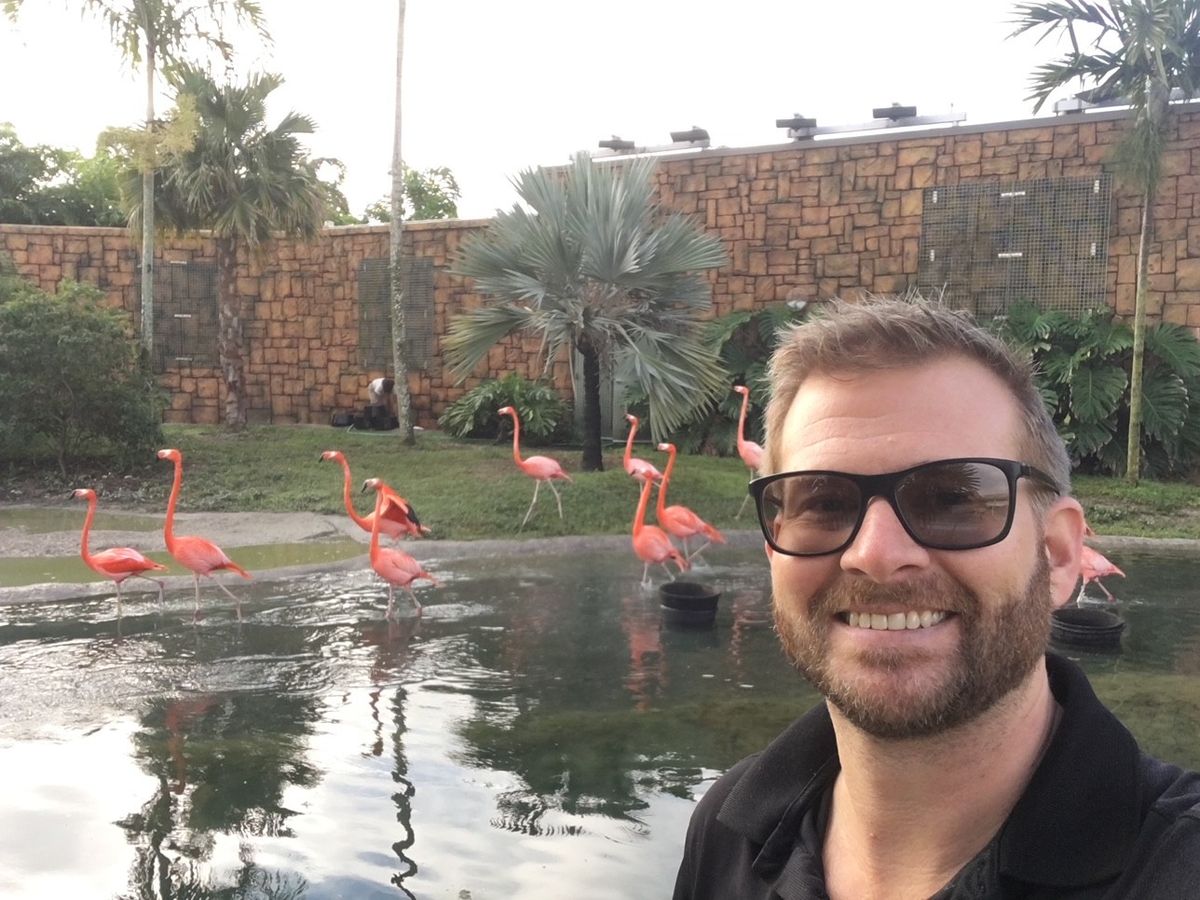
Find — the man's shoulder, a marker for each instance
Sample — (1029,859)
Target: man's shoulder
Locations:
(1173,794)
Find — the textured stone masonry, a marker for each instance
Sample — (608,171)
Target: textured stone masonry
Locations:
(801,220)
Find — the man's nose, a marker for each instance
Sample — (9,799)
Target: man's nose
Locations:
(882,550)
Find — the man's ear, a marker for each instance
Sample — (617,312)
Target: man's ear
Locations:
(769,551)
(1063,545)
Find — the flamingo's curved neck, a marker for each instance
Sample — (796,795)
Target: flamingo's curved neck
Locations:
(633,427)
(666,480)
(741,435)
(516,438)
(361,521)
(169,526)
(374,551)
(87,527)
(643,500)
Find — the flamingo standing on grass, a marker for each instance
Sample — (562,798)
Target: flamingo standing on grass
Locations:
(117,563)
(539,468)
(399,517)
(639,469)
(202,557)
(679,521)
(1094,565)
(651,543)
(395,567)
(750,452)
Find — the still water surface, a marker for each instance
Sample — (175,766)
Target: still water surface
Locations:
(537,732)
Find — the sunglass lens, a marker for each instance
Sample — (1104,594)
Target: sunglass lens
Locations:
(955,505)
(811,514)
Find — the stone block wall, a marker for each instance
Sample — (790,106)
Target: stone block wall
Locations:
(804,220)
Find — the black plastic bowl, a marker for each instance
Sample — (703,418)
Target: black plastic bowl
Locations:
(688,603)
(1081,627)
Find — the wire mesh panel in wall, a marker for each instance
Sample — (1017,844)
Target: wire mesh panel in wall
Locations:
(375,313)
(990,245)
(185,315)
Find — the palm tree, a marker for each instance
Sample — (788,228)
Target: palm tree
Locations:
(159,32)
(1134,51)
(399,328)
(595,265)
(243,180)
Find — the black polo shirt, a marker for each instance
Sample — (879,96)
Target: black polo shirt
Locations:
(1098,819)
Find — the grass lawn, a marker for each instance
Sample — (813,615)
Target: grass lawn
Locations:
(466,489)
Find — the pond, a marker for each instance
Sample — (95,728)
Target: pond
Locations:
(537,732)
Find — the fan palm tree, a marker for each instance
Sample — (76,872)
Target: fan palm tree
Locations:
(595,266)
(157,33)
(1135,51)
(243,180)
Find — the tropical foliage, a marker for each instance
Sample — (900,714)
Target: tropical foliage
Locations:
(545,417)
(1083,373)
(744,342)
(594,266)
(72,383)
(243,179)
(427,194)
(1135,52)
(43,185)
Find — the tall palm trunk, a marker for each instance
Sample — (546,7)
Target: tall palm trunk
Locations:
(399,326)
(148,217)
(593,460)
(230,346)
(1133,449)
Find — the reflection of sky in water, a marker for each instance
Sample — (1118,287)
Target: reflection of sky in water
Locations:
(537,727)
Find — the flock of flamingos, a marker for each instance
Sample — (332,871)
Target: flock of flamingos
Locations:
(395,518)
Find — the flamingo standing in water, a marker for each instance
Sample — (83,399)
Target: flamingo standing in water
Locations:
(195,553)
(117,563)
(639,469)
(1094,565)
(679,521)
(399,517)
(395,567)
(539,468)
(750,452)
(651,543)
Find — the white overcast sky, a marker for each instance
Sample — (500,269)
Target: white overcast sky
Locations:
(493,87)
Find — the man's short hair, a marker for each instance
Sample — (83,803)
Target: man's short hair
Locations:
(889,333)
(388,384)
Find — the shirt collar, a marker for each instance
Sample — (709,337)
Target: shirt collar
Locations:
(1074,824)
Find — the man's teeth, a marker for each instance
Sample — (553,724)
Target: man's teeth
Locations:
(894,622)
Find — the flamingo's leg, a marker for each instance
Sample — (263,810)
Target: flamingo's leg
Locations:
(119,611)
(742,508)
(1107,592)
(536,486)
(695,554)
(670,577)
(231,596)
(413,594)
(556,497)
(391,610)
(156,581)
(646,575)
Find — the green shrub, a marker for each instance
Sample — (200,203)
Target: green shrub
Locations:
(545,418)
(1083,373)
(73,385)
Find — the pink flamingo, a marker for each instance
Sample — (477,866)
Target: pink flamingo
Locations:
(639,469)
(539,468)
(679,521)
(399,517)
(651,543)
(393,566)
(117,563)
(1094,565)
(750,452)
(195,553)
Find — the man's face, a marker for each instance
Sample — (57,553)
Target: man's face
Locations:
(990,606)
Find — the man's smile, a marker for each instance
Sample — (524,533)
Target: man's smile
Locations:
(897,621)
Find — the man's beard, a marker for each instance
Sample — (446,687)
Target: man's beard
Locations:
(998,647)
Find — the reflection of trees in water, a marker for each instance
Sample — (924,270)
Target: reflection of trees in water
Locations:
(403,796)
(222,763)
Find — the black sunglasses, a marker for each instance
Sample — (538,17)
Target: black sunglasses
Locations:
(949,504)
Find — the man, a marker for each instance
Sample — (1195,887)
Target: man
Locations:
(919,532)
(381,400)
